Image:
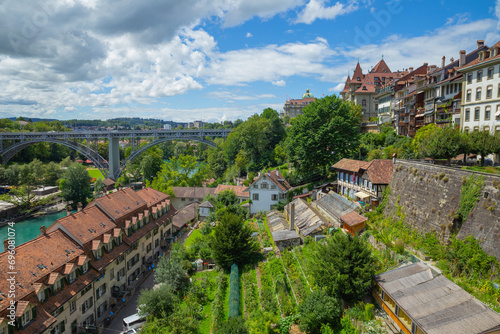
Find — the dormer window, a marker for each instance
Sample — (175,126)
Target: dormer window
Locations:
(57,285)
(41,295)
(26,318)
(72,277)
(85,267)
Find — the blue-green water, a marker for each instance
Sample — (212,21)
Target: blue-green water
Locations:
(29,229)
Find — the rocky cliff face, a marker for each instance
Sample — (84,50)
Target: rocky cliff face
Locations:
(429,196)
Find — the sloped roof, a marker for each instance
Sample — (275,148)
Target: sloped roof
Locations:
(351,165)
(358,73)
(278,180)
(380,171)
(276,221)
(381,67)
(152,196)
(119,203)
(353,218)
(85,225)
(436,304)
(184,215)
(206,204)
(192,192)
(240,191)
(307,220)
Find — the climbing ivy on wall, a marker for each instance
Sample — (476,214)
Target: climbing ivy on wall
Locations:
(469,195)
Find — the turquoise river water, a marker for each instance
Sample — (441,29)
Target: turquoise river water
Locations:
(29,229)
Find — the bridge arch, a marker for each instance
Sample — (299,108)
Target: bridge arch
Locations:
(90,154)
(144,148)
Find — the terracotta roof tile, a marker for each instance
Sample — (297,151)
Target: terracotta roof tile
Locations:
(81,260)
(116,232)
(119,204)
(95,244)
(85,225)
(106,238)
(277,179)
(353,218)
(107,258)
(21,307)
(37,287)
(67,268)
(351,165)
(36,259)
(52,278)
(108,182)
(42,321)
(152,196)
(238,190)
(381,67)
(380,171)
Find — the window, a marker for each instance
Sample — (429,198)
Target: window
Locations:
(363,103)
(72,277)
(112,273)
(490,73)
(476,114)
(274,197)
(489,92)
(148,248)
(72,306)
(469,94)
(101,309)
(89,321)
(255,197)
(497,114)
(60,328)
(40,296)
(469,78)
(273,186)
(487,113)
(121,274)
(263,186)
(26,317)
(86,289)
(466,129)
(58,311)
(478,93)
(57,286)
(498,91)
(74,327)
(447,89)
(87,305)
(100,291)
(467,115)
(183,199)
(479,76)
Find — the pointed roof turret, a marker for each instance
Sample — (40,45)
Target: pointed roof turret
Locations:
(358,76)
(381,67)
(346,86)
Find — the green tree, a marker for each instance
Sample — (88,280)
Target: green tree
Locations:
(421,134)
(347,326)
(98,188)
(318,309)
(75,185)
(151,163)
(171,273)
(232,241)
(52,174)
(328,130)
(343,266)
(159,303)
(441,143)
(483,143)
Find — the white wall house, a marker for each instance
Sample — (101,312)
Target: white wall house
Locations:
(481,92)
(267,191)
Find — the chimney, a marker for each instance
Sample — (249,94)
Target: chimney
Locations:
(292,216)
(5,244)
(79,206)
(480,43)
(68,210)
(411,69)
(43,230)
(443,61)
(461,59)
(452,59)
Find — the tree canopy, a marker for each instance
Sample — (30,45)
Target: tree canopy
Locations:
(327,131)
(343,266)
(319,309)
(75,185)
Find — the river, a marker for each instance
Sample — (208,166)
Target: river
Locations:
(29,229)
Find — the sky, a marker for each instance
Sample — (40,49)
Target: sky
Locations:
(214,60)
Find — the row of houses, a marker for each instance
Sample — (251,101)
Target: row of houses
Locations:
(464,92)
(78,271)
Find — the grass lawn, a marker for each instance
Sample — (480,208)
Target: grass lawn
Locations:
(486,169)
(95,173)
(189,241)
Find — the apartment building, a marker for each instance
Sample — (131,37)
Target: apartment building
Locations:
(72,276)
(480,109)
(294,107)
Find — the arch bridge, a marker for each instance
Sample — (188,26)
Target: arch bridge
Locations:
(13,142)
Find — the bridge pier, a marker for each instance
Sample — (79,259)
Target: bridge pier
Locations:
(114,157)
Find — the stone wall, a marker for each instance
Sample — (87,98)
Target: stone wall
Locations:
(429,197)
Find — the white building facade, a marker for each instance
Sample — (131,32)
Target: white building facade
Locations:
(267,191)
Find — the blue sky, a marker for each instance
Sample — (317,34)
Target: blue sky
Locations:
(214,59)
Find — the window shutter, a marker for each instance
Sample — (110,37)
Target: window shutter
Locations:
(90,302)
(33,310)
(19,323)
(63,327)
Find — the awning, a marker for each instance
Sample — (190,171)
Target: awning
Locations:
(362,195)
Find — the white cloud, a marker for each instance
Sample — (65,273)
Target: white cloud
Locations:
(234,96)
(279,83)
(316,9)
(337,88)
(249,35)
(497,13)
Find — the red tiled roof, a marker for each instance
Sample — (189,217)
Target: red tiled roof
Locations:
(21,307)
(108,182)
(106,238)
(52,278)
(380,171)
(278,180)
(116,232)
(85,225)
(358,73)
(95,244)
(353,218)
(119,203)
(238,190)
(36,259)
(351,165)
(381,67)
(81,260)
(152,196)
(67,268)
